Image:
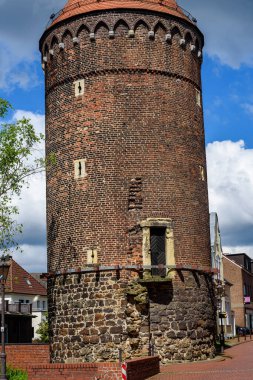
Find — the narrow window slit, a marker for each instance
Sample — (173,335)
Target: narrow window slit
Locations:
(80,168)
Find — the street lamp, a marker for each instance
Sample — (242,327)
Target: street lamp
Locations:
(4,270)
(222,316)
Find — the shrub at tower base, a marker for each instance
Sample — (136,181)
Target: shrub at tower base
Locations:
(129,262)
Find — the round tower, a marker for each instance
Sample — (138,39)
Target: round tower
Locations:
(127,205)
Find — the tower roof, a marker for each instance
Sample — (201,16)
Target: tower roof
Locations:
(77,7)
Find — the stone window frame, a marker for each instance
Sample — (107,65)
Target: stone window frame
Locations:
(146,226)
(81,162)
(202,174)
(198,98)
(79,87)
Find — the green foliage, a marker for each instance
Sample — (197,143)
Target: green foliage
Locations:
(16,374)
(43,331)
(17,144)
(4,106)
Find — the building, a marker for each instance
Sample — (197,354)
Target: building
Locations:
(229,320)
(237,269)
(24,295)
(222,286)
(129,262)
(216,247)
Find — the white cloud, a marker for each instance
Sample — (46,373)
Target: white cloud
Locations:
(227,27)
(21,25)
(248,249)
(230,183)
(37,120)
(248,108)
(32,258)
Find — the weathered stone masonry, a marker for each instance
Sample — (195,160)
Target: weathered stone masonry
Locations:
(95,315)
(124,120)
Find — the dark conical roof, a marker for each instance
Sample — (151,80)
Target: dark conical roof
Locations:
(76,7)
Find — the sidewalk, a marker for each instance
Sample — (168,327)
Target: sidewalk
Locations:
(237,364)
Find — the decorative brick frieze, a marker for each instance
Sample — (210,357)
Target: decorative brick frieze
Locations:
(112,21)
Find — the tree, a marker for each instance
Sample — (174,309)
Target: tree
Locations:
(43,330)
(17,143)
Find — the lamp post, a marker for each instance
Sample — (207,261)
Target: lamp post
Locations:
(222,316)
(4,270)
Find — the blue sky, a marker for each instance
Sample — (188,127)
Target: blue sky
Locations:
(228,109)
(228,97)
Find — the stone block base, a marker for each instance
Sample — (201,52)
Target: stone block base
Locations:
(95,316)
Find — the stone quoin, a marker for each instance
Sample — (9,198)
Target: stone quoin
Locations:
(127,203)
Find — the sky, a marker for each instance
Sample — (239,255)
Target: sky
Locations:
(227,79)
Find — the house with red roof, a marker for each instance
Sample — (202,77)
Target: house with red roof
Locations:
(26,305)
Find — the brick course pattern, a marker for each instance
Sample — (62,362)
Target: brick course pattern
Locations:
(35,359)
(84,371)
(239,277)
(140,129)
(143,368)
(138,369)
(23,355)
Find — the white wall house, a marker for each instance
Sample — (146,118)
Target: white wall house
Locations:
(222,286)
(23,288)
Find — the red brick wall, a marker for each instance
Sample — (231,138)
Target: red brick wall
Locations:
(23,355)
(35,359)
(140,369)
(234,274)
(137,122)
(140,129)
(238,277)
(82,371)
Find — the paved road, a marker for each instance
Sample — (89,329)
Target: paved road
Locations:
(238,366)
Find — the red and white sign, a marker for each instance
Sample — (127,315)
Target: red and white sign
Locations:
(124,371)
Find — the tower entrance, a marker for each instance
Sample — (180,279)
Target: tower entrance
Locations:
(157,247)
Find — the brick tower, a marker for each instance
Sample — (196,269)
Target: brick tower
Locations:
(127,204)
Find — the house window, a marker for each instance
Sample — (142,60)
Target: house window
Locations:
(21,301)
(44,305)
(38,304)
(28,281)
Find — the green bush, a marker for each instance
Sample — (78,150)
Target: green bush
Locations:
(16,374)
(43,330)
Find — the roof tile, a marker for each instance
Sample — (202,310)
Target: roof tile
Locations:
(20,281)
(76,7)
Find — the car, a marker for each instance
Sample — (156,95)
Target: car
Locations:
(242,330)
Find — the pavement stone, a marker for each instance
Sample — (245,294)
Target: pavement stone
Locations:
(237,365)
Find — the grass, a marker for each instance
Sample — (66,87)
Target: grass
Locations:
(16,374)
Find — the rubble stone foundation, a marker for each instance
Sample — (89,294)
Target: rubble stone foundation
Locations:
(94,315)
